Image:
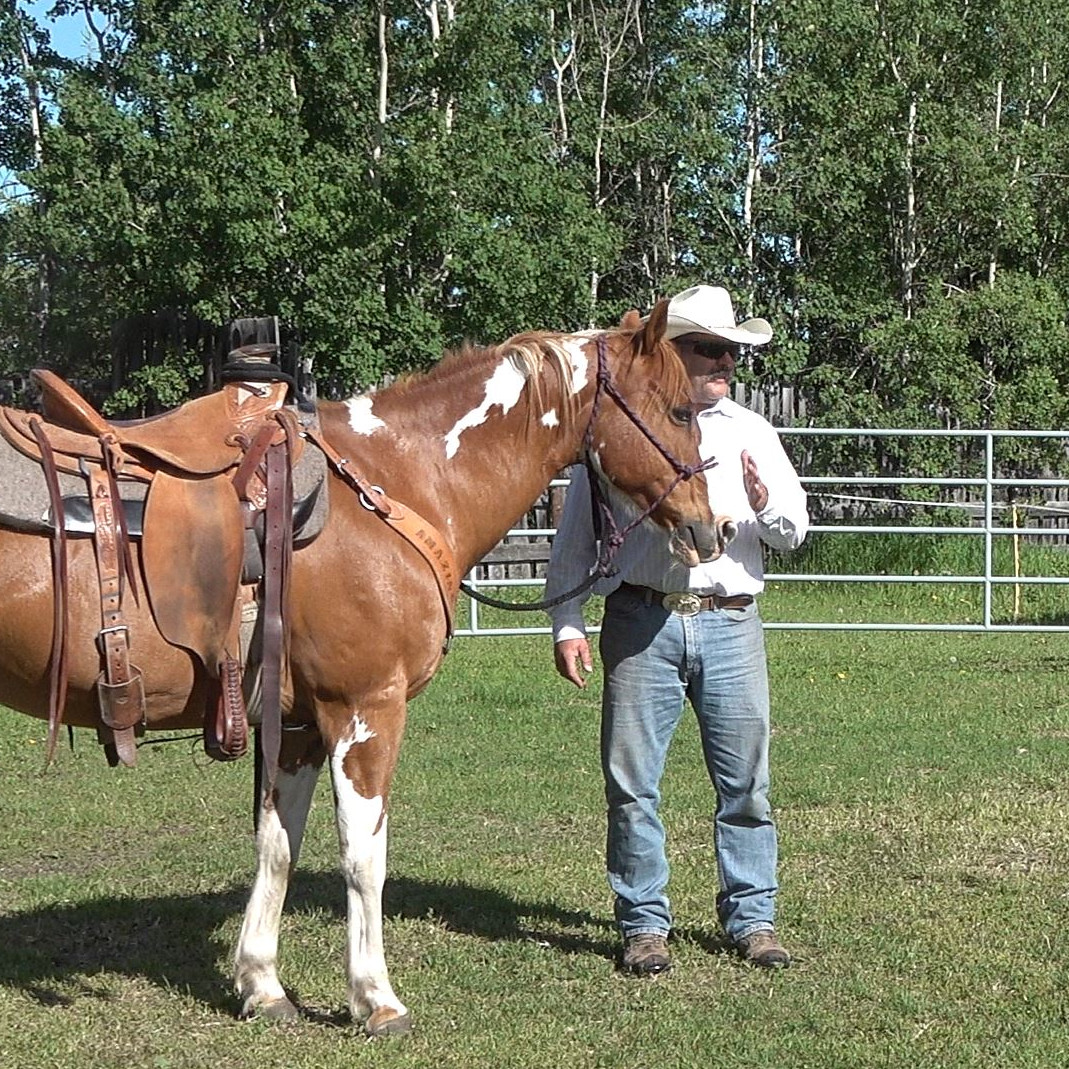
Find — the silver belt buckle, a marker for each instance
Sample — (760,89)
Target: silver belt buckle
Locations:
(682,603)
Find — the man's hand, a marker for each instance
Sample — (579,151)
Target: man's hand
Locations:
(572,655)
(756,490)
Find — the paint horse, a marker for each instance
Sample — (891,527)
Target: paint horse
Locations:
(462,452)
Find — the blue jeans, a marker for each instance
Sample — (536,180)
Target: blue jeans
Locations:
(652,660)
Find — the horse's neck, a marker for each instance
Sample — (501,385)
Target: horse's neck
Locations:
(472,458)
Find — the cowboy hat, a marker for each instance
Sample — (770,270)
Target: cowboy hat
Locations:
(708,310)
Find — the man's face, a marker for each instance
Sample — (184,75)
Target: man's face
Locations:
(710,363)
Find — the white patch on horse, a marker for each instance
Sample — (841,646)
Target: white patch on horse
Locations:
(361,418)
(362,824)
(503,388)
(550,418)
(575,346)
(359,730)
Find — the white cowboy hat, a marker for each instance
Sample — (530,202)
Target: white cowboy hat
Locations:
(708,310)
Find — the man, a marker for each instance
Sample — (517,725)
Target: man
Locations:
(658,648)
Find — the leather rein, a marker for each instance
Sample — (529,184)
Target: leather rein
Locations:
(605,520)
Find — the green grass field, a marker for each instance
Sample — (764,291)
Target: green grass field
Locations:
(922,791)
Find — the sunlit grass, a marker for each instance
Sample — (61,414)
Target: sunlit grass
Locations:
(921,784)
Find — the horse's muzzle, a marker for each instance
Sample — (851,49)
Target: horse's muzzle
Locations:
(699,543)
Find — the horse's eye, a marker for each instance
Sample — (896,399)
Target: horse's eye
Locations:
(682,415)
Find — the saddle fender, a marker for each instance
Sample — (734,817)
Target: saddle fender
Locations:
(192,551)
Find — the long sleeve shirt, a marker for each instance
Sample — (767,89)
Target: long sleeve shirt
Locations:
(727,429)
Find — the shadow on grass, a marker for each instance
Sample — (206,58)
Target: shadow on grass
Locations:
(52,953)
(491,914)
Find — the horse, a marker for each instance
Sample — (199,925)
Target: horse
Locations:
(466,448)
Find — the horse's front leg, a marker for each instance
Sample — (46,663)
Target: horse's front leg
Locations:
(278,846)
(363,759)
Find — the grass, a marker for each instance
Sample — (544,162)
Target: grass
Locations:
(926,556)
(922,792)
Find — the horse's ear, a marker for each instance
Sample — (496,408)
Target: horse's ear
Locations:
(656,323)
(631,320)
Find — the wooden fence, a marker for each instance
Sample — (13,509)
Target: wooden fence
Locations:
(148,341)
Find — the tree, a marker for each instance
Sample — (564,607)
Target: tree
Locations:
(883,180)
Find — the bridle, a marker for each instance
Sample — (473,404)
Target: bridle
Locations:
(611,537)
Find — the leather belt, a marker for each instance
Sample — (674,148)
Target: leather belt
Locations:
(684,603)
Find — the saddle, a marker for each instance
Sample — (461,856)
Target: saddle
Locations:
(210,473)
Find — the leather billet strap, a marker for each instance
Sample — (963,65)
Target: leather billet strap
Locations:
(409,524)
(120,688)
(254,457)
(278,555)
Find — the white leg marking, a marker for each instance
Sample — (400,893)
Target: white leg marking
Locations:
(362,827)
(361,418)
(503,388)
(278,845)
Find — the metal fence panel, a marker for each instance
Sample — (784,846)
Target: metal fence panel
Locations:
(984,496)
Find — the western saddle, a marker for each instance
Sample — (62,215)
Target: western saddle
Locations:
(209,472)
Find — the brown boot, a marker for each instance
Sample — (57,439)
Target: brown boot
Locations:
(646,954)
(763,949)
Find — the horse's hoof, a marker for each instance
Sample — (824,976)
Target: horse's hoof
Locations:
(279,1009)
(387,1022)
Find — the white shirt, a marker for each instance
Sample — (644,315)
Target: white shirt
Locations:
(726,429)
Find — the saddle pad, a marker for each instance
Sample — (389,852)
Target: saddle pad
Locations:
(191,551)
(311,503)
(24,501)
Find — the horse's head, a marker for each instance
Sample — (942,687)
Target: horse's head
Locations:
(644,436)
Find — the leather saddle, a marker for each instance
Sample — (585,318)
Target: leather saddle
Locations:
(203,437)
(214,469)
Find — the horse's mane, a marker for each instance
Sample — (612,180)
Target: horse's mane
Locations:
(537,355)
(531,353)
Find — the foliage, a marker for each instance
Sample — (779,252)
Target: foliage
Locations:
(885,182)
(156,387)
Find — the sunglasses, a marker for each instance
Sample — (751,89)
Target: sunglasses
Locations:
(713,350)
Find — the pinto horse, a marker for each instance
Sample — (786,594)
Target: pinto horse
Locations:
(469,447)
